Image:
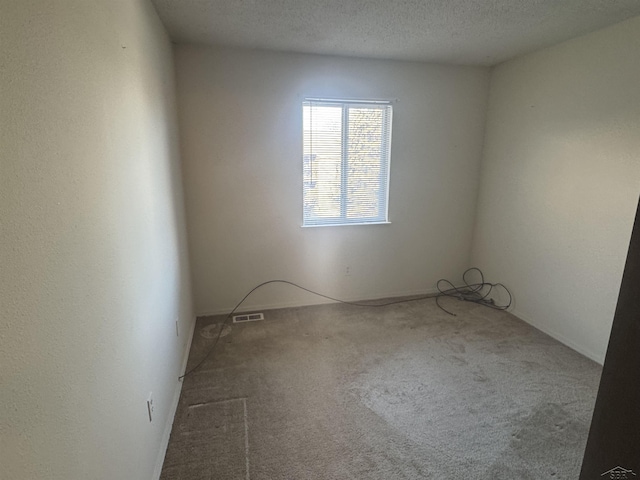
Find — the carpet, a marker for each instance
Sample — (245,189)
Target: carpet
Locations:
(400,392)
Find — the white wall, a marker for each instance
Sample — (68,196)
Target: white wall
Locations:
(241,127)
(92,245)
(560,182)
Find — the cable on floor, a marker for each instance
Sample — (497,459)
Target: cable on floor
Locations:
(480,292)
(471,292)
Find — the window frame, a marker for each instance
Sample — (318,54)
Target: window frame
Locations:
(385,163)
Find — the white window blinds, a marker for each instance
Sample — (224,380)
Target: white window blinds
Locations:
(346,154)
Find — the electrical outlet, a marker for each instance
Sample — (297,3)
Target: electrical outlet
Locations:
(347,270)
(150,406)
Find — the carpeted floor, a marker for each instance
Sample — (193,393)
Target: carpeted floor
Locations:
(402,392)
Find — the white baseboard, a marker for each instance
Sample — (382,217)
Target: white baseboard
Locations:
(164,443)
(302,303)
(596,357)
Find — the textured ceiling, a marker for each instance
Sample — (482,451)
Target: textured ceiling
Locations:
(476,32)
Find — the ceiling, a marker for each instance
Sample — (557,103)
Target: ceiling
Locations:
(472,32)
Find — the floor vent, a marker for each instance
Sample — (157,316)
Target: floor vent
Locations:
(248,317)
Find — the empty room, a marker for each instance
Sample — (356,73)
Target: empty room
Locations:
(319,240)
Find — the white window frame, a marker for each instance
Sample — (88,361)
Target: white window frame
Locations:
(385,162)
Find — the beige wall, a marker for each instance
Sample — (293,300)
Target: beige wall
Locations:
(241,127)
(92,246)
(560,182)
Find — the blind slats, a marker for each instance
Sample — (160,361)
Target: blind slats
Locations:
(346,161)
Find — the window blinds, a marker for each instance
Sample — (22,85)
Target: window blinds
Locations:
(346,150)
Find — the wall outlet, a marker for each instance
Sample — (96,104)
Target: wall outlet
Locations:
(347,270)
(150,406)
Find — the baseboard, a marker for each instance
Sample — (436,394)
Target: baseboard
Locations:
(598,358)
(300,303)
(164,443)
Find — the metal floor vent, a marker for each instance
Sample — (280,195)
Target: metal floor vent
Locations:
(248,317)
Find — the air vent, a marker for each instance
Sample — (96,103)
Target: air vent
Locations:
(248,317)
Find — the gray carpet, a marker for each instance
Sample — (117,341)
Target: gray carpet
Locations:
(401,392)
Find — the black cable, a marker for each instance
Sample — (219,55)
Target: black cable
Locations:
(471,292)
(479,292)
(356,304)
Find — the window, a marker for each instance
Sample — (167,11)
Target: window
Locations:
(346,150)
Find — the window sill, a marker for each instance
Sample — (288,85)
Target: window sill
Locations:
(345,224)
